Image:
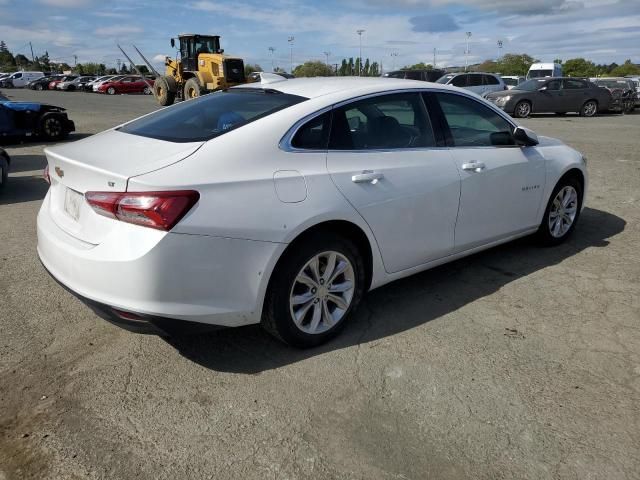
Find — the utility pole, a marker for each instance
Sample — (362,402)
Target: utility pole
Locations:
(33,59)
(327,54)
(118,62)
(500,43)
(290,40)
(434,57)
(466,53)
(393,54)
(75,60)
(272,49)
(360,32)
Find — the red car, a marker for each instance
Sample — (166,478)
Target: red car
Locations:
(127,85)
(66,78)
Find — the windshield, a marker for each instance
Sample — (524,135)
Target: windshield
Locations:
(445,79)
(211,115)
(532,85)
(540,73)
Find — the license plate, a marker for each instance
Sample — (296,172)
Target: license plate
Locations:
(72,203)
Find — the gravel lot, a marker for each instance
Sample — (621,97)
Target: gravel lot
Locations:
(519,362)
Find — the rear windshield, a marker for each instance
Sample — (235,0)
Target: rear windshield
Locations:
(211,115)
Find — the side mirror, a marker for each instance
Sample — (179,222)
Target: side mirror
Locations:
(173,43)
(526,137)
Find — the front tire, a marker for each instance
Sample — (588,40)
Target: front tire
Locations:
(111,91)
(313,291)
(589,109)
(51,127)
(562,212)
(522,110)
(39,87)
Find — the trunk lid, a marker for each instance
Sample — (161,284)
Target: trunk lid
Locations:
(103,162)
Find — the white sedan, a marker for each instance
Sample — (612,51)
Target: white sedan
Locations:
(284,202)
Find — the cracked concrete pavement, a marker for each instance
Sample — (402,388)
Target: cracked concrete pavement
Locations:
(519,362)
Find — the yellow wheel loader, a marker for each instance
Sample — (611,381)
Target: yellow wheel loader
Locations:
(201,68)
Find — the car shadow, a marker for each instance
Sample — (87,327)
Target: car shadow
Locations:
(571,115)
(33,141)
(23,189)
(404,304)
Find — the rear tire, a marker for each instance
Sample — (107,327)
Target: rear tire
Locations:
(164,89)
(522,110)
(192,89)
(312,299)
(146,91)
(589,108)
(562,212)
(39,87)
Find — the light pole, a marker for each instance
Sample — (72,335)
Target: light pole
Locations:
(434,58)
(500,43)
(393,54)
(466,53)
(327,54)
(360,32)
(290,40)
(272,49)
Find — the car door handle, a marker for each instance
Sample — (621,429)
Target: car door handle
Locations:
(367,176)
(473,166)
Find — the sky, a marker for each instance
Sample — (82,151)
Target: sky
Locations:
(396,32)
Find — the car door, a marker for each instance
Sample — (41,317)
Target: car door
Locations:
(475,84)
(575,92)
(501,182)
(385,158)
(549,98)
(491,83)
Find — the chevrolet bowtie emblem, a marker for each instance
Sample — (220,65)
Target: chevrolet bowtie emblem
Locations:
(59,172)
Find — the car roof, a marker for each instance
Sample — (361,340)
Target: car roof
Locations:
(346,87)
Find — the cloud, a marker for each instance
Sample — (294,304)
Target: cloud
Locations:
(111,15)
(118,30)
(65,3)
(159,58)
(505,7)
(439,22)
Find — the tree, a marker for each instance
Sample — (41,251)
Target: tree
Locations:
(249,68)
(279,70)
(374,71)
(358,68)
(3,47)
(343,71)
(313,69)
(489,66)
(365,70)
(515,64)
(579,67)
(351,66)
(418,66)
(123,69)
(22,61)
(144,70)
(627,68)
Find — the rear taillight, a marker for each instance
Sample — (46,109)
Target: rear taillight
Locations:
(160,210)
(45,174)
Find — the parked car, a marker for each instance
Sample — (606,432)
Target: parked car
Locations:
(20,79)
(512,81)
(636,84)
(543,70)
(424,75)
(111,78)
(127,84)
(89,85)
(65,78)
(555,95)
(5,163)
(623,93)
(75,84)
(43,83)
(480,83)
(275,206)
(27,119)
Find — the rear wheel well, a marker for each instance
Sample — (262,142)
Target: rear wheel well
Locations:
(340,228)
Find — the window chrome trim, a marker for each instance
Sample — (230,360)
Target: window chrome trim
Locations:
(285,141)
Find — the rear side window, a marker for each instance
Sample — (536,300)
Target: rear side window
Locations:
(211,115)
(574,84)
(472,124)
(491,80)
(313,135)
(393,121)
(475,80)
(414,76)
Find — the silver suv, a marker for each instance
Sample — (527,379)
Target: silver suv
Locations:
(480,83)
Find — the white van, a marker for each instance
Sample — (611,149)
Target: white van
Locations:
(20,79)
(540,70)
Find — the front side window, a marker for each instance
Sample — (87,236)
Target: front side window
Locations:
(574,84)
(460,81)
(554,85)
(473,124)
(475,80)
(211,115)
(392,121)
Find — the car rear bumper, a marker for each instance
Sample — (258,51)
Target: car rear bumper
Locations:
(159,277)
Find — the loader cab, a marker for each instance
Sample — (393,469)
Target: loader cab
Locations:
(193,45)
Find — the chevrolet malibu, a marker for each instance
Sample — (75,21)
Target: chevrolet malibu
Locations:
(283,202)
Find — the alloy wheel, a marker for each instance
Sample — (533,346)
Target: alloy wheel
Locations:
(52,127)
(563,211)
(590,109)
(523,109)
(322,292)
